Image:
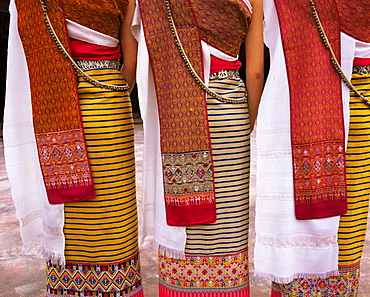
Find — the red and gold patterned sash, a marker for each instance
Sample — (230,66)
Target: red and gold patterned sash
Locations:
(56,113)
(185,142)
(317,127)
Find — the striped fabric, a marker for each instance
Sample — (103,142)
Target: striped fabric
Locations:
(101,234)
(216,261)
(352,228)
(229,131)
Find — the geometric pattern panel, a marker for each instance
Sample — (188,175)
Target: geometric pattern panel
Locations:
(208,274)
(344,285)
(63,159)
(118,279)
(187,174)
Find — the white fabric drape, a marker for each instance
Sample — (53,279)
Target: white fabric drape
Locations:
(287,248)
(79,32)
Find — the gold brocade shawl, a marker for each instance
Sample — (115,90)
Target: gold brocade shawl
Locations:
(184,131)
(56,113)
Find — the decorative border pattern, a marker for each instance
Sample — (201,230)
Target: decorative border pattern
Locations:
(207,274)
(78,279)
(188,178)
(63,159)
(318,172)
(346,285)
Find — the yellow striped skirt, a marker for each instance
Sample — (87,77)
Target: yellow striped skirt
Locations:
(101,235)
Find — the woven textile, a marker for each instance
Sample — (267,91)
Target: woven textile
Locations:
(215,28)
(216,262)
(101,235)
(281,239)
(318,152)
(56,115)
(352,227)
(355,18)
(100,15)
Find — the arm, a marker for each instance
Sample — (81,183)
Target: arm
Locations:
(129,47)
(254,60)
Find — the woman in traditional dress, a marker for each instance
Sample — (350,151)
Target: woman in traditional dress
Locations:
(313,148)
(197,116)
(72,168)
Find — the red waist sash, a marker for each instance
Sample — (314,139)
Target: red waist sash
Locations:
(82,50)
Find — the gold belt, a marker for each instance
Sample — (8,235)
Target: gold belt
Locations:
(98,64)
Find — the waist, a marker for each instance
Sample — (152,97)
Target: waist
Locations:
(98,64)
(82,50)
(361,61)
(226,73)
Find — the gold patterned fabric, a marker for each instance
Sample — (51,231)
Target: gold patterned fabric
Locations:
(104,16)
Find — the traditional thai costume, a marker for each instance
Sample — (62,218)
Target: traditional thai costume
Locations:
(312,144)
(69,145)
(196,154)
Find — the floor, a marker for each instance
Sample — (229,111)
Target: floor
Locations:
(24,275)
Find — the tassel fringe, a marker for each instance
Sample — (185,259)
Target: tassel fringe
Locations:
(287,280)
(169,252)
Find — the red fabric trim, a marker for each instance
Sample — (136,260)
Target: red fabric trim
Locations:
(321,210)
(218,64)
(361,62)
(275,293)
(71,195)
(165,292)
(82,50)
(188,215)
